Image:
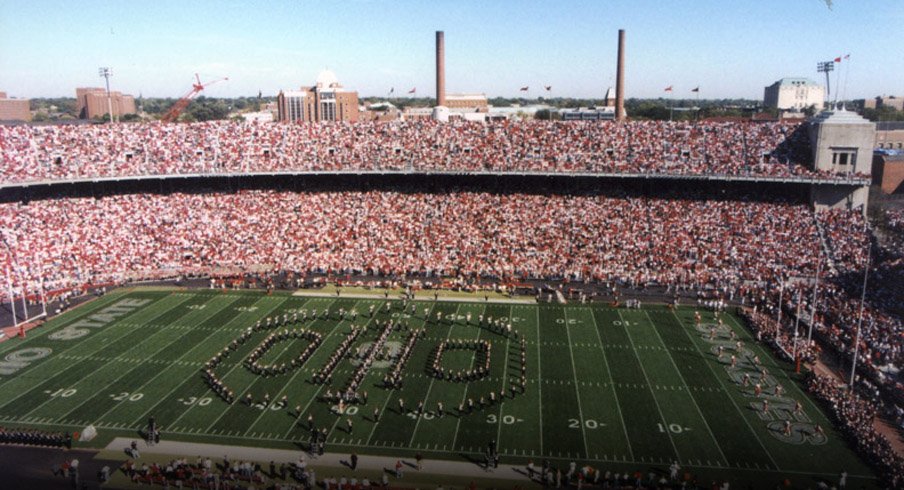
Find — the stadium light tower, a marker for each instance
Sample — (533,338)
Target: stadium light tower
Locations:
(106,72)
(826,67)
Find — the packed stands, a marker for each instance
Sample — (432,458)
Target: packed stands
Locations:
(855,416)
(65,152)
(633,239)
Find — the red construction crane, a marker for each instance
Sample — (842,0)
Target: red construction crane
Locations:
(173,113)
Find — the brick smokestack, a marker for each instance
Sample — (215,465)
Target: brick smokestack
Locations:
(620,78)
(440,69)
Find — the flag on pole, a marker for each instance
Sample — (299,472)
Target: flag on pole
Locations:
(413,90)
(391,90)
(668,89)
(838,59)
(524,88)
(696,89)
(847,56)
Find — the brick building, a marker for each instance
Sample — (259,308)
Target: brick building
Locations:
(896,103)
(327,100)
(91,103)
(14,109)
(890,135)
(888,172)
(467,102)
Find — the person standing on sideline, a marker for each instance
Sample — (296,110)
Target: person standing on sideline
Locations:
(420,461)
(354,461)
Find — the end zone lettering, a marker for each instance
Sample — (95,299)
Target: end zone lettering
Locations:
(97,320)
(19,359)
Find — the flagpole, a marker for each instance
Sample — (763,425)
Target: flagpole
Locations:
(847,69)
(837,84)
(796,324)
(778,320)
(860,317)
(813,306)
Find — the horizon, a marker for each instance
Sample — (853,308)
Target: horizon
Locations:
(375,46)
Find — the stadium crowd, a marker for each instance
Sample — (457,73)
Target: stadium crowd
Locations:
(64,152)
(855,416)
(636,240)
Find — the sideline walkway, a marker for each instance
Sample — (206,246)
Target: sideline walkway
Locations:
(330,465)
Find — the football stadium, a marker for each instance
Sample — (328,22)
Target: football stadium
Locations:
(445,302)
(492,326)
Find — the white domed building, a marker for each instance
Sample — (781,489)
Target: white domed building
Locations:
(326,100)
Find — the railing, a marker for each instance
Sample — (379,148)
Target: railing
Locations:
(847,180)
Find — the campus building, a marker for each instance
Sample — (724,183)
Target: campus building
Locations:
(14,109)
(91,102)
(467,102)
(794,94)
(896,103)
(326,100)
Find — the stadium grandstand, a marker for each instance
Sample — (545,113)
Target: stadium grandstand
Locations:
(768,150)
(698,214)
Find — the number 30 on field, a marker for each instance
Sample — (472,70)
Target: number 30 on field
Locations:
(506,419)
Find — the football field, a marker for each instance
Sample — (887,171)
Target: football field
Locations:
(614,388)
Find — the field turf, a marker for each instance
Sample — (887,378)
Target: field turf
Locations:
(617,389)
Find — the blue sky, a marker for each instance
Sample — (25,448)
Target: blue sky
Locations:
(730,48)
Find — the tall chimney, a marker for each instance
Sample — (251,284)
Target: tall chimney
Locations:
(440,69)
(620,79)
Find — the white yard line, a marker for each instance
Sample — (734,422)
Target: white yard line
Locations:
(722,383)
(100,345)
(103,344)
(539,379)
(650,386)
(432,379)
(48,329)
(769,356)
(504,378)
(176,361)
(320,388)
(687,387)
(611,382)
(237,364)
(464,395)
(178,385)
(392,391)
(286,385)
(577,389)
(339,417)
(256,379)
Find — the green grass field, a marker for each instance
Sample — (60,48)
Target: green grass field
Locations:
(614,388)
